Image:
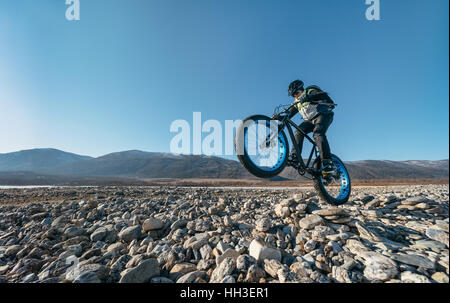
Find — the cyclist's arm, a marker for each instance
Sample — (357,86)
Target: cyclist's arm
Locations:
(292,112)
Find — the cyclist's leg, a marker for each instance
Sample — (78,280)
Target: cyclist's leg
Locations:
(305,126)
(321,124)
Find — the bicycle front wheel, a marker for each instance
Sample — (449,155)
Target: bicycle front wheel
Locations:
(260,147)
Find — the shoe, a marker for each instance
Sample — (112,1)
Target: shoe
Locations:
(328,168)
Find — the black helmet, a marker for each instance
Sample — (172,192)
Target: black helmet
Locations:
(295,87)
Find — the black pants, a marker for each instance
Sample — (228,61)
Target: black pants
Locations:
(318,126)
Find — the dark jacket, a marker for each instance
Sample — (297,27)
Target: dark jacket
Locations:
(307,103)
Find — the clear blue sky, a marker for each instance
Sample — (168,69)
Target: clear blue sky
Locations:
(116,79)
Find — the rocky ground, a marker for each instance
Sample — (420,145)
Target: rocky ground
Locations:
(165,234)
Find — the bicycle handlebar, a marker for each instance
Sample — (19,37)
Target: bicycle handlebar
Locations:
(314,102)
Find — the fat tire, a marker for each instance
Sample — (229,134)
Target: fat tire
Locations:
(321,190)
(245,160)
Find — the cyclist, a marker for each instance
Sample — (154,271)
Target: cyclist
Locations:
(316,107)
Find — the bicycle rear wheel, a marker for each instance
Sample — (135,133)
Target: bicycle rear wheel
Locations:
(260,148)
(333,189)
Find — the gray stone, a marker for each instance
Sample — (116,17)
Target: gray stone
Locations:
(410,277)
(331,211)
(196,241)
(229,253)
(181,269)
(72,250)
(142,273)
(367,199)
(227,221)
(179,224)
(282,211)
(263,224)
(47,221)
(80,273)
(365,233)
(261,252)
(429,244)
(99,234)
(118,246)
(254,274)
(73,232)
(243,262)
(130,233)
(152,224)
(228,279)
(222,247)
(414,260)
(225,268)
(379,267)
(12,250)
(437,235)
(191,277)
(87,277)
(206,251)
(285,275)
(120,263)
(200,225)
(205,264)
(310,221)
(414,200)
(92,253)
(440,277)
(310,246)
(271,267)
(160,280)
(29,278)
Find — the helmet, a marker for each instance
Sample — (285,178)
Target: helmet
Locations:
(294,87)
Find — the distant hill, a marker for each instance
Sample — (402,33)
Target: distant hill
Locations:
(384,169)
(140,164)
(152,165)
(37,159)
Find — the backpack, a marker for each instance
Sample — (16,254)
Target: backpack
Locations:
(318,90)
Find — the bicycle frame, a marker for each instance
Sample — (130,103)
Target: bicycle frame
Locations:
(286,122)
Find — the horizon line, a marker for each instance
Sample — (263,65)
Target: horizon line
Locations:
(227,157)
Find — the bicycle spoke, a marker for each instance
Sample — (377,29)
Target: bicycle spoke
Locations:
(264,147)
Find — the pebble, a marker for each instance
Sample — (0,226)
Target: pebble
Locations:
(415,260)
(229,253)
(438,235)
(99,234)
(386,234)
(379,267)
(409,277)
(152,224)
(310,221)
(181,269)
(260,251)
(331,211)
(130,233)
(225,268)
(263,224)
(142,273)
(440,277)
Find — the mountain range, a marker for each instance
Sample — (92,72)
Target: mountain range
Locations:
(140,164)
